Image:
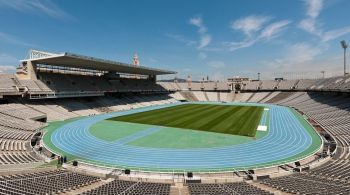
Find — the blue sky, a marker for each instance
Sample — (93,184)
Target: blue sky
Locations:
(291,38)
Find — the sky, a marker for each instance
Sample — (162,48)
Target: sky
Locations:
(289,38)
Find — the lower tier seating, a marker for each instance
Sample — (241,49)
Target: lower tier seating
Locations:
(46,182)
(130,187)
(225,189)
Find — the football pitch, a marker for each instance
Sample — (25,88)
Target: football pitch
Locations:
(227,119)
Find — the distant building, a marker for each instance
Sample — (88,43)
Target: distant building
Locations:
(237,79)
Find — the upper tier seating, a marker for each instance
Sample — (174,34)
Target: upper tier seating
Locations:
(67,83)
(169,86)
(305,84)
(254,85)
(222,86)
(207,86)
(269,85)
(287,84)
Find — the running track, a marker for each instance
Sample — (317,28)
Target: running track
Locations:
(286,139)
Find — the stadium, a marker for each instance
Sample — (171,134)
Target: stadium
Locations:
(227,98)
(113,128)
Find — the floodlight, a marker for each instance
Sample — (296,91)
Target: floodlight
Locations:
(344,45)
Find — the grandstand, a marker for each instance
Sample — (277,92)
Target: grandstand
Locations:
(52,90)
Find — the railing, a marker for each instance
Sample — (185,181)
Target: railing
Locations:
(201,171)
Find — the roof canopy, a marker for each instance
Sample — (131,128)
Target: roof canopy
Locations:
(79,61)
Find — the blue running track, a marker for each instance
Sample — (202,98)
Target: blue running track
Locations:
(286,140)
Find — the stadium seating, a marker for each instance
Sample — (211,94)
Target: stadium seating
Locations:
(44,182)
(213,96)
(17,123)
(7,84)
(200,95)
(227,188)
(223,96)
(304,184)
(304,84)
(10,133)
(287,84)
(256,97)
(189,95)
(63,84)
(279,96)
(170,86)
(21,111)
(270,96)
(130,187)
(61,109)
(318,99)
(222,86)
(35,86)
(16,127)
(14,138)
(254,85)
(260,97)
(269,85)
(207,86)
(245,97)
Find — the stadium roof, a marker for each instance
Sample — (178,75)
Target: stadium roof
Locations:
(79,61)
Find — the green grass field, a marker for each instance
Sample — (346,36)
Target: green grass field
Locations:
(228,119)
(166,137)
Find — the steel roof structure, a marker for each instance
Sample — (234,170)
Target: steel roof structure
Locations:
(72,60)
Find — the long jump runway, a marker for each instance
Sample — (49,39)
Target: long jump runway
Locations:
(287,140)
